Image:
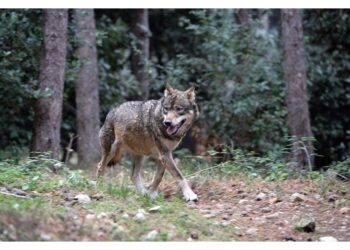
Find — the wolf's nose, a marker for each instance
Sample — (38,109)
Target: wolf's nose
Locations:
(167,123)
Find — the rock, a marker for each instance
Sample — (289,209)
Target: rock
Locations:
(328,239)
(97,197)
(102,216)
(18,192)
(209,215)
(191,204)
(225,223)
(140,215)
(274,215)
(194,235)
(154,209)
(252,231)
(45,237)
(344,210)
(125,216)
(274,200)
(296,197)
(151,235)
(242,201)
(260,197)
(90,216)
(225,217)
(332,198)
(306,225)
(266,210)
(244,214)
(83,198)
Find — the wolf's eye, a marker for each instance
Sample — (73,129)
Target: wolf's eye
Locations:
(179,109)
(165,110)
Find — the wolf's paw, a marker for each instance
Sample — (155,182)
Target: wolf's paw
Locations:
(190,196)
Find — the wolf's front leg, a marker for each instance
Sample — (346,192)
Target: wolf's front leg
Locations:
(168,161)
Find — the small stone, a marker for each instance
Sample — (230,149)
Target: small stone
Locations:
(18,192)
(252,231)
(194,235)
(260,197)
(244,214)
(154,209)
(102,216)
(242,201)
(306,225)
(344,210)
(225,217)
(125,216)
(45,237)
(225,223)
(140,215)
(273,216)
(83,198)
(90,217)
(296,197)
(151,235)
(328,239)
(97,197)
(266,210)
(275,200)
(332,198)
(209,215)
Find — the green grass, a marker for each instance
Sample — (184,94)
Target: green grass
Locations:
(50,213)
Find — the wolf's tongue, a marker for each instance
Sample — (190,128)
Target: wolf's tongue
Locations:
(171,130)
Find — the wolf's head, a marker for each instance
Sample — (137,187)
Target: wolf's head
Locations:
(179,110)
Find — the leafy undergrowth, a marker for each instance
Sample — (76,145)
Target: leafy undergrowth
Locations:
(38,202)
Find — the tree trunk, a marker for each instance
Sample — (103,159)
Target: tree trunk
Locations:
(140,53)
(295,77)
(48,110)
(86,88)
(243,16)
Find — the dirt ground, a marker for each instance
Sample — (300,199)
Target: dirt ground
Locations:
(266,211)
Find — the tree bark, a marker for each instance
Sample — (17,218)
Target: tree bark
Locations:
(298,117)
(140,52)
(48,110)
(86,88)
(243,16)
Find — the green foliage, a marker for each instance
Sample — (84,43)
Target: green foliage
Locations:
(117,84)
(35,173)
(238,75)
(20,43)
(327,44)
(342,168)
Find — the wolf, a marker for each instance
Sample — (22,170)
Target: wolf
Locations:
(154,127)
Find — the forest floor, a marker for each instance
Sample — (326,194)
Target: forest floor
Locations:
(41,205)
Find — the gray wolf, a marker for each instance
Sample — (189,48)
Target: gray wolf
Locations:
(154,127)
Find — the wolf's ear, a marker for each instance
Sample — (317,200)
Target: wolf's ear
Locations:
(190,94)
(168,90)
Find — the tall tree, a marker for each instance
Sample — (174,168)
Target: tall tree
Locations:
(48,109)
(140,52)
(298,117)
(86,88)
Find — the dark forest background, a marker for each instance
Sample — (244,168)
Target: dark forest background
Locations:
(234,58)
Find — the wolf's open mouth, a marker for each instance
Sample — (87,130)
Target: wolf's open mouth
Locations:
(172,130)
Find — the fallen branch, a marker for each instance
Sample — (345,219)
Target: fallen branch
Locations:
(15,195)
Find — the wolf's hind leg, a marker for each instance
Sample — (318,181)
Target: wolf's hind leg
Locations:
(110,148)
(136,173)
